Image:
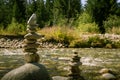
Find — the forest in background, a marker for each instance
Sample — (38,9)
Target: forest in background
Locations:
(64,21)
(96,15)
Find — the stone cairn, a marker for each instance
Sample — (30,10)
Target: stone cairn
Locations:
(32,70)
(31,45)
(75,72)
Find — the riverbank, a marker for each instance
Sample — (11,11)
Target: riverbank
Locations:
(18,42)
(85,41)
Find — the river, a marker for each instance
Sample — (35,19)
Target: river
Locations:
(57,60)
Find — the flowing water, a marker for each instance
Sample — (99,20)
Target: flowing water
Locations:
(57,60)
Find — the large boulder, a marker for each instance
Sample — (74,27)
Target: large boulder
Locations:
(29,71)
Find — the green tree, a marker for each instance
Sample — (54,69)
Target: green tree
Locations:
(57,11)
(118,9)
(19,10)
(67,9)
(100,10)
(70,8)
(5,12)
(49,12)
(41,13)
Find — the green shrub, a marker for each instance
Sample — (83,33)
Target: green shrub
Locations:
(95,42)
(84,18)
(88,28)
(116,44)
(15,28)
(85,25)
(1,29)
(112,24)
(59,34)
(79,44)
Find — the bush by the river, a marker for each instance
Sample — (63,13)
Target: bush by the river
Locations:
(72,38)
(85,34)
(95,42)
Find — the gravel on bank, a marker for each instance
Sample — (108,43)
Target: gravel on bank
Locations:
(18,41)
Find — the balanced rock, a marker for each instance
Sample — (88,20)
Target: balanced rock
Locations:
(27,41)
(32,36)
(31,57)
(29,71)
(29,46)
(32,20)
(30,50)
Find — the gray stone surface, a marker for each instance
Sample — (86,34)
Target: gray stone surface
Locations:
(32,20)
(29,71)
(60,78)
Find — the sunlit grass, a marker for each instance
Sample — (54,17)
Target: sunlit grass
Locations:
(59,34)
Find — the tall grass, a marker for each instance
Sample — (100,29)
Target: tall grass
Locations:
(59,34)
(74,39)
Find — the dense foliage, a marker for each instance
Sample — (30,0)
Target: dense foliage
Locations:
(100,10)
(93,17)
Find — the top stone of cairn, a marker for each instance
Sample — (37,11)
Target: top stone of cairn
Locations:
(32,20)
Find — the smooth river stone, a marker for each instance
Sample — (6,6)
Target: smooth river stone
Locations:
(31,50)
(32,36)
(29,71)
(32,20)
(30,45)
(60,78)
(31,29)
(27,41)
(31,57)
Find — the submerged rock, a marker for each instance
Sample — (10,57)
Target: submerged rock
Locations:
(108,76)
(29,71)
(60,78)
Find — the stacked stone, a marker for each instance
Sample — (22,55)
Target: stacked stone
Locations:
(32,70)
(75,72)
(31,45)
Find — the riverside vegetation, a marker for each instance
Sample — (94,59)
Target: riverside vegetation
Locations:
(62,37)
(65,23)
(83,33)
(65,37)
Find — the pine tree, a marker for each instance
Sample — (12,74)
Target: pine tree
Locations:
(67,8)
(41,13)
(100,10)
(70,8)
(5,12)
(19,10)
(49,12)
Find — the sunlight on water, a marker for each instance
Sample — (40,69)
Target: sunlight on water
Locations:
(57,60)
(11,52)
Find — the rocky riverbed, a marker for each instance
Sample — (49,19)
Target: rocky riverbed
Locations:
(13,42)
